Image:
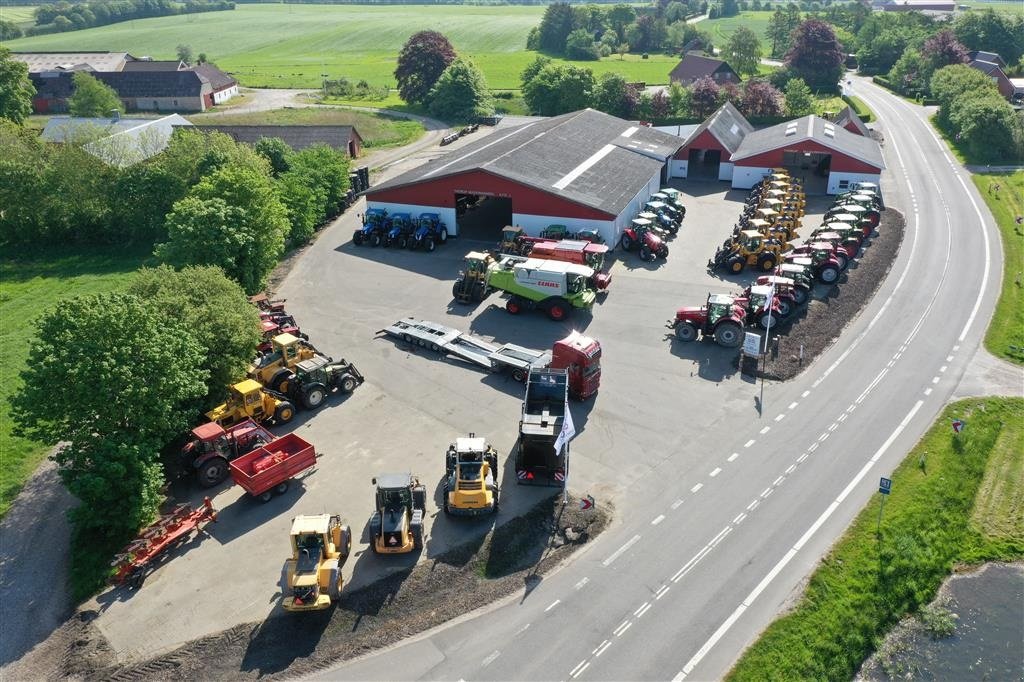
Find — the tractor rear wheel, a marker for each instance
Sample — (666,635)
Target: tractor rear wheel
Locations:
(766,262)
(558,310)
(346,545)
(686,331)
(728,334)
(843,259)
(646,254)
(785,307)
(429,245)
(513,307)
(348,384)
(357,238)
(284,412)
(736,264)
(801,295)
(314,396)
(828,274)
(626,243)
(279,381)
(375,239)
(212,471)
(442,236)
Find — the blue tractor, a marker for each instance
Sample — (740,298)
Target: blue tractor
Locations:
(429,232)
(375,225)
(400,231)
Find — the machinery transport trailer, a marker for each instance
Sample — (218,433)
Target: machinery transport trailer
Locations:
(579,355)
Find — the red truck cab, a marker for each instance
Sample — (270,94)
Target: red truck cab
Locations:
(581,356)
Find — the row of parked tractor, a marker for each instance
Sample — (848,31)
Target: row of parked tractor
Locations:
(661,217)
(401,230)
(763,239)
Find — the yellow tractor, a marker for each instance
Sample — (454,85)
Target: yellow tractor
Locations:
(275,369)
(471,477)
(320,546)
(751,249)
(248,400)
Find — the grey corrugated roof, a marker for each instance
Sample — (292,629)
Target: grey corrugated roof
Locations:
(811,128)
(694,66)
(218,79)
(587,157)
(120,143)
(985,67)
(848,115)
(155,83)
(984,56)
(51,61)
(296,136)
(728,126)
(154,65)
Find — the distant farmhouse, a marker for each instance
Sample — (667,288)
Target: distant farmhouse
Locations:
(929,7)
(343,138)
(992,65)
(694,66)
(143,84)
(119,142)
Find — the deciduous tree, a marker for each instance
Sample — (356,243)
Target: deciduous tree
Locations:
(232,219)
(613,95)
(461,93)
(816,55)
(760,99)
(799,100)
(992,31)
(580,45)
(555,26)
(16,89)
(422,60)
(943,49)
(950,82)
(276,151)
(558,89)
(92,98)
(619,17)
(910,73)
(743,51)
(184,53)
(704,97)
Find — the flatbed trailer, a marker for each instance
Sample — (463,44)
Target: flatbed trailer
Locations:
(450,341)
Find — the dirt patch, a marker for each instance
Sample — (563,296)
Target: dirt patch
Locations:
(511,558)
(817,326)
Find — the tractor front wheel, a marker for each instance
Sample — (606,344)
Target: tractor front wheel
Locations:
(212,472)
(736,264)
(686,331)
(828,274)
(646,254)
(512,307)
(766,262)
(442,236)
(357,238)
(403,242)
(785,307)
(801,295)
(558,310)
(284,413)
(767,320)
(430,245)
(348,384)
(729,334)
(375,239)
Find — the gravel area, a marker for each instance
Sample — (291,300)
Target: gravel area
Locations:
(818,325)
(412,599)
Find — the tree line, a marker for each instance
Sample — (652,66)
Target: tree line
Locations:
(64,16)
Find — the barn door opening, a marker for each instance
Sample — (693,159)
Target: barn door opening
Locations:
(480,217)
(812,167)
(703,164)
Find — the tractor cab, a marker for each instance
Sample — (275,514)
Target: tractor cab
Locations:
(752,241)
(660,221)
(247,399)
(397,524)
(471,284)
(719,306)
(641,225)
(555,232)
(399,231)
(590,235)
(767,214)
(428,231)
(512,239)
(674,198)
(661,208)
(375,225)
(471,477)
(581,356)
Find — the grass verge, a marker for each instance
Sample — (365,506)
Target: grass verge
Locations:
(862,110)
(29,286)
(1005,336)
(944,494)
(377,130)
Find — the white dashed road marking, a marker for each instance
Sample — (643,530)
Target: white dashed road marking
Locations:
(714,473)
(552,605)
(629,543)
(696,487)
(658,519)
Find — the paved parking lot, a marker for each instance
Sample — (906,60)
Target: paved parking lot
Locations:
(656,396)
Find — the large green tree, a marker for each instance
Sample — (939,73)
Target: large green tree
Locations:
(989,128)
(780,29)
(950,82)
(233,219)
(555,26)
(91,97)
(613,95)
(421,61)
(461,93)
(16,89)
(743,51)
(799,100)
(816,56)
(558,89)
(992,31)
(325,170)
(215,312)
(619,17)
(580,45)
(114,380)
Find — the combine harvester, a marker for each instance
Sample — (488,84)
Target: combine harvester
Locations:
(578,354)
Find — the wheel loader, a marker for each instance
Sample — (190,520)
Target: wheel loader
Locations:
(275,369)
(249,400)
(320,546)
(397,525)
(751,249)
(471,477)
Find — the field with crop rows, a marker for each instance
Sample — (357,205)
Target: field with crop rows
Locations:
(292,45)
(19,14)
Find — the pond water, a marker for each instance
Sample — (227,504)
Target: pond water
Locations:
(988,642)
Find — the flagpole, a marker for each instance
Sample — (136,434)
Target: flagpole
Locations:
(767,333)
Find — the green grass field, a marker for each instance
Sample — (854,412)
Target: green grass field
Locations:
(376,130)
(1009,6)
(955,499)
(20,14)
(292,45)
(29,286)
(721,29)
(1005,337)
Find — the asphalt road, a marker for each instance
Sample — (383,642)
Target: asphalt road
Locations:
(723,512)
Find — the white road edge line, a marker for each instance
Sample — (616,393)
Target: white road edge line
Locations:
(756,592)
(749,443)
(581,583)
(490,658)
(553,605)
(629,543)
(676,504)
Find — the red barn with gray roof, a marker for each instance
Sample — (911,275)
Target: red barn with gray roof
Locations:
(584,169)
(707,150)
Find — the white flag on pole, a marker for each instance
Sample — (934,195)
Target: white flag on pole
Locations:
(567,432)
(771,316)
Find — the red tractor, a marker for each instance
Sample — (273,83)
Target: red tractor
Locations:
(640,235)
(722,317)
(791,291)
(846,248)
(822,259)
(211,447)
(273,325)
(754,300)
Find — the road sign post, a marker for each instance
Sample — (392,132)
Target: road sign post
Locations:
(884,487)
